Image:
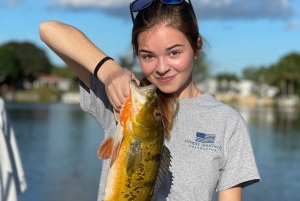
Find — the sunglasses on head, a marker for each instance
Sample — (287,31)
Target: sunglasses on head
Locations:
(138,5)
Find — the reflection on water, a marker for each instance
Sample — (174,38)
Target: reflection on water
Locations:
(275,136)
(286,120)
(58,145)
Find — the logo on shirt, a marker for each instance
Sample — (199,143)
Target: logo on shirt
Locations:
(203,141)
(205,138)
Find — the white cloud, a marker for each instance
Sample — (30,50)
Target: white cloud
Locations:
(292,25)
(215,3)
(205,9)
(247,9)
(9,3)
(97,3)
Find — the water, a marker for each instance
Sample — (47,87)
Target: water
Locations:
(275,136)
(58,145)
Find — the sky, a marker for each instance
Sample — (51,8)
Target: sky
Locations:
(238,33)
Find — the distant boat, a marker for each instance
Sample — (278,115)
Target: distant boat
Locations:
(288,101)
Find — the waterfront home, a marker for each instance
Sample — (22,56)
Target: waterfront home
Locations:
(62,84)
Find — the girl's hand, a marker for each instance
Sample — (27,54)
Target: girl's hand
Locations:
(117,86)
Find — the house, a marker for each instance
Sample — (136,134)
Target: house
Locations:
(62,84)
(243,92)
(209,85)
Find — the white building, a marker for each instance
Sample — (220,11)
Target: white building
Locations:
(63,84)
(244,88)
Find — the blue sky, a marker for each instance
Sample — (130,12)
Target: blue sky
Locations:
(239,33)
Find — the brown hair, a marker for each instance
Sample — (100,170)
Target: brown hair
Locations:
(181,17)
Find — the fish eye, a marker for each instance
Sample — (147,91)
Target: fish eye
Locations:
(158,114)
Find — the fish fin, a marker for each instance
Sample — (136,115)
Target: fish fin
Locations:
(163,170)
(133,157)
(110,147)
(117,141)
(104,151)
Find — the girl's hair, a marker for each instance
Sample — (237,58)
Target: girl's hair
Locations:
(178,16)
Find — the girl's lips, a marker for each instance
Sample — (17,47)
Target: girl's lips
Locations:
(166,79)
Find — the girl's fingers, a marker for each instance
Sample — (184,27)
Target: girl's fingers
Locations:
(119,89)
(136,79)
(112,102)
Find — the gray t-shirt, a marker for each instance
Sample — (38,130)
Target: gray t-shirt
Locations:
(210,146)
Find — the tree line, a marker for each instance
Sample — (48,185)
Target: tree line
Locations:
(25,61)
(21,61)
(285,74)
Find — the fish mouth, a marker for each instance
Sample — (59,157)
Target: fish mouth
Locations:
(141,98)
(141,93)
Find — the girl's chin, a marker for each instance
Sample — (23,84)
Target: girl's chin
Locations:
(166,90)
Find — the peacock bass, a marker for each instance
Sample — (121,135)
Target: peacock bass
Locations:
(138,156)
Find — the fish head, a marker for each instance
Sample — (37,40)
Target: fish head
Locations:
(146,117)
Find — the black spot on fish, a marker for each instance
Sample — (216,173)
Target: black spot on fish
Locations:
(140,179)
(141,167)
(155,157)
(149,183)
(136,188)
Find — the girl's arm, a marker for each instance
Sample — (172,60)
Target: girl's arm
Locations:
(232,194)
(82,56)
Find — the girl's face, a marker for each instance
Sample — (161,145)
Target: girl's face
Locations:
(166,59)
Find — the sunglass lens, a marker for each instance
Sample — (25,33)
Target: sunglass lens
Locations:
(140,4)
(172,1)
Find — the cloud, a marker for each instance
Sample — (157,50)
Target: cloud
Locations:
(292,25)
(205,9)
(9,3)
(97,3)
(245,9)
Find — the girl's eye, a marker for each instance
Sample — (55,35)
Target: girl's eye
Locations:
(174,53)
(147,56)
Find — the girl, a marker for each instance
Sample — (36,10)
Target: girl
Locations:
(209,143)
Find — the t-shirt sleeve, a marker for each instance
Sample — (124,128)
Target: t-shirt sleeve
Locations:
(240,166)
(94,101)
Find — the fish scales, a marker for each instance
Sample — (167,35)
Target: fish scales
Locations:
(134,169)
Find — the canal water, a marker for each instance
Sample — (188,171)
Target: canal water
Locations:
(58,145)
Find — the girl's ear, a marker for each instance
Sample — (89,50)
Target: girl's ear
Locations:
(199,44)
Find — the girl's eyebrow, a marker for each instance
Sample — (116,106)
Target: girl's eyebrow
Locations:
(168,49)
(145,51)
(173,46)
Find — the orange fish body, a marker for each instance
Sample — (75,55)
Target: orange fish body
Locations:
(136,147)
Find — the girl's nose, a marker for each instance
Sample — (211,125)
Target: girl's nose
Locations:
(162,66)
